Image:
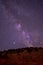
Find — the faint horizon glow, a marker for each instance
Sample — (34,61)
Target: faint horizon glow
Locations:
(28,44)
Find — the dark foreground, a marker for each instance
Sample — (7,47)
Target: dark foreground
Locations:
(24,56)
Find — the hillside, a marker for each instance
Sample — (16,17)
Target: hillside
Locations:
(23,56)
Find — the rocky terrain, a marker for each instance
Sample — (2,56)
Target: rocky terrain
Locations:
(23,56)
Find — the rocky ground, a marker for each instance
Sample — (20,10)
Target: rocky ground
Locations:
(23,56)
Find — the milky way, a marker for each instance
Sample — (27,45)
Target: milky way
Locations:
(21,23)
(24,36)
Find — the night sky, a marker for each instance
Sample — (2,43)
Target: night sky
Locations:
(21,24)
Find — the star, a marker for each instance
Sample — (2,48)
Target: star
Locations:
(14,43)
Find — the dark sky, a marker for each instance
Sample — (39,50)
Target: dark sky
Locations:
(21,23)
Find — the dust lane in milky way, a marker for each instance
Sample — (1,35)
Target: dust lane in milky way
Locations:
(21,23)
